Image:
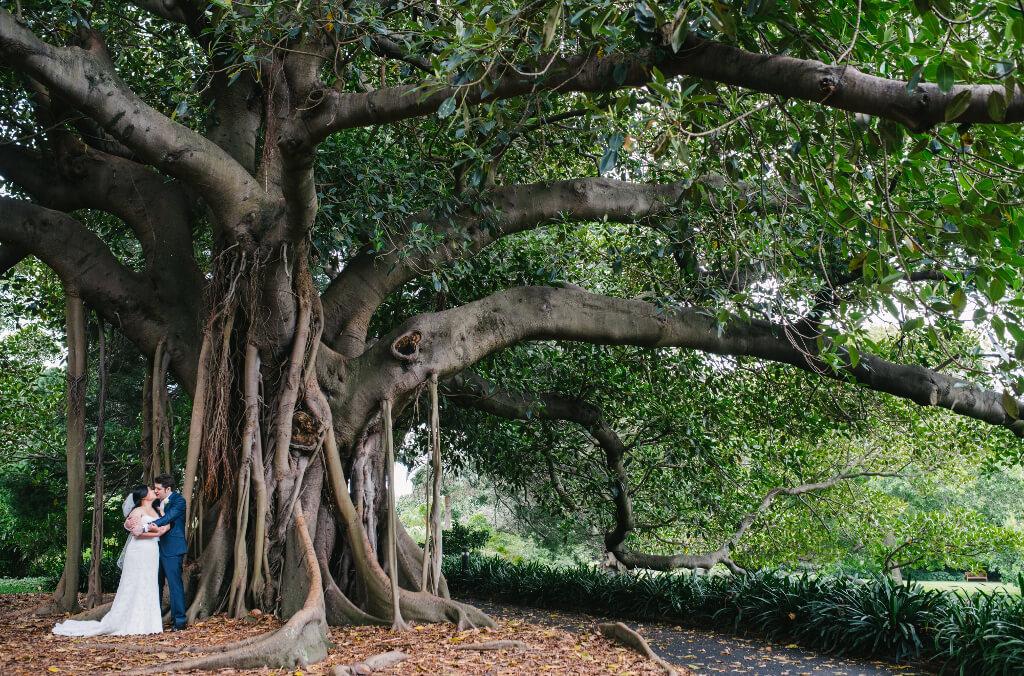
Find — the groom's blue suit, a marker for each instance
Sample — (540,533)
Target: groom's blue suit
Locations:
(172,552)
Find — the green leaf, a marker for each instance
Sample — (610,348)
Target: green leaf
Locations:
(611,154)
(915,78)
(997,106)
(554,16)
(959,301)
(945,77)
(913,324)
(1010,405)
(858,261)
(1018,29)
(958,105)
(447,107)
(679,33)
(996,289)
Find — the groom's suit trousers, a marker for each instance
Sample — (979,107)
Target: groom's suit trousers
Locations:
(170,570)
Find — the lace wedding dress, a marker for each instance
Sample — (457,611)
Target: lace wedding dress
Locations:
(136,607)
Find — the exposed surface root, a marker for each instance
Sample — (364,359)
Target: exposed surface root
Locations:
(95,613)
(619,632)
(371,664)
(425,607)
(301,641)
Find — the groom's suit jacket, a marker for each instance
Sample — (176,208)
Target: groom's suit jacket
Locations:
(172,543)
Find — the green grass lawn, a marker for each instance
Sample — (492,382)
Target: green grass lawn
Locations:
(972,587)
(11,585)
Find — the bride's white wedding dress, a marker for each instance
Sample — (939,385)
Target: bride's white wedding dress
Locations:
(136,607)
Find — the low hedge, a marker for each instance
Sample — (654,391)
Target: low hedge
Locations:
(979,634)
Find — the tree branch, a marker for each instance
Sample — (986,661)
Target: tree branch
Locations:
(384,46)
(86,81)
(10,256)
(469,390)
(836,86)
(156,209)
(82,260)
(185,13)
(451,341)
(355,294)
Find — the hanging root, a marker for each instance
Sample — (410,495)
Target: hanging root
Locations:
(300,642)
(213,566)
(397,623)
(251,379)
(620,633)
(414,606)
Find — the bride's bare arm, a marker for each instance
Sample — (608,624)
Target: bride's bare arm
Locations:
(133,524)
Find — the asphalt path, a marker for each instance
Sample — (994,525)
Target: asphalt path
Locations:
(709,652)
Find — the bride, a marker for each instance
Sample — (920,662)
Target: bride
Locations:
(136,607)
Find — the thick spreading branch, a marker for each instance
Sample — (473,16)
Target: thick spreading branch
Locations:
(469,390)
(85,80)
(837,86)
(82,260)
(354,295)
(450,341)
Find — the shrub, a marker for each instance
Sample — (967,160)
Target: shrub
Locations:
(461,538)
(877,617)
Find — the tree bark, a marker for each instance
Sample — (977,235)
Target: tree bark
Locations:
(94,594)
(397,623)
(77,375)
(436,553)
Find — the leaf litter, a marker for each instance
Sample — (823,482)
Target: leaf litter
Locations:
(28,647)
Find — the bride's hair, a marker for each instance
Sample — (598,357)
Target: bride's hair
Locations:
(139,493)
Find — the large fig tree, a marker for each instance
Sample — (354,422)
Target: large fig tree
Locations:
(302,181)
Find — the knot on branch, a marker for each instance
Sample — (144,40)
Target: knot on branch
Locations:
(314,98)
(306,432)
(406,347)
(828,84)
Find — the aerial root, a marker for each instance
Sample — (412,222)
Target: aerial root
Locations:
(622,634)
(371,664)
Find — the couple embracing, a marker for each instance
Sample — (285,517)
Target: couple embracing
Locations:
(154,552)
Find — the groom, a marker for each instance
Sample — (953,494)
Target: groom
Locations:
(172,545)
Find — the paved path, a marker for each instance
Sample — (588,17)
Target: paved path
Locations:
(710,652)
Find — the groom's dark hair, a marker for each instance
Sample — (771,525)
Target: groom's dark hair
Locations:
(165,480)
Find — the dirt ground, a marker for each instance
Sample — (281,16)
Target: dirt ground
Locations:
(28,647)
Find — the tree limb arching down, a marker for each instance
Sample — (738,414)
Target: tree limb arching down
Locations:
(469,390)
(198,221)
